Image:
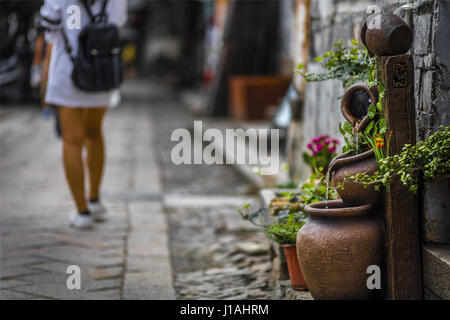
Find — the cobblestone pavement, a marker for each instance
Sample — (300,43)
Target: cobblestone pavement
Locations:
(153,206)
(215,255)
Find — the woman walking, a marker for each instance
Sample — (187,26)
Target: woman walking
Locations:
(81,112)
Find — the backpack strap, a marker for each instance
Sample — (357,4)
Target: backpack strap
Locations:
(67,45)
(101,16)
(103,12)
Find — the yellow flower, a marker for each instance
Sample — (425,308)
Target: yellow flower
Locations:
(379,142)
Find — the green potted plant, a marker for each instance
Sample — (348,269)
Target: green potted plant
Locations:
(289,216)
(286,235)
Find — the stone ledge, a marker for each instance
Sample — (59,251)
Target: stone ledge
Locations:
(436,271)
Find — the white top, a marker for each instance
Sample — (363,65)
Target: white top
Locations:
(59,14)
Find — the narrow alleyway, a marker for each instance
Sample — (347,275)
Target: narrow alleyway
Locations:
(173,231)
(215,255)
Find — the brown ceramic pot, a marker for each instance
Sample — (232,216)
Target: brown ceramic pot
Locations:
(335,247)
(357,118)
(386,34)
(354,193)
(295,273)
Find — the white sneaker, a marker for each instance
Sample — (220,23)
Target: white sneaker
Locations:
(97,210)
(81,221)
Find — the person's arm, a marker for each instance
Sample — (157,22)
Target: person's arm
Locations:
(48,52)
(51,18)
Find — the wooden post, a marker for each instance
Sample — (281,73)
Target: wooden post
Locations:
(401,214)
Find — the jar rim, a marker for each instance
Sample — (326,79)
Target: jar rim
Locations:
(336,208)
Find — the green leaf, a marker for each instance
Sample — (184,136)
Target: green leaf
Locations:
(347,142)
(287,194)
(300,66)
(341,130)
(348,127)
(379,106)
(368,128)
(383,125)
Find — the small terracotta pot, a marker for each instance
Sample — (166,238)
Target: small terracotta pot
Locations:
(335,247)
(295,273)
(386,34)
(354,193)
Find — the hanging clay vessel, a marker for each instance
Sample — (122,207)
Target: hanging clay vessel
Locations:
(335,247)
(386,34)
(355,104)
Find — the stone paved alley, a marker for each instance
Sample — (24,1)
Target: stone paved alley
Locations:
(173,231)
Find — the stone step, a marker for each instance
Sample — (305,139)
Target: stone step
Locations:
(436,271)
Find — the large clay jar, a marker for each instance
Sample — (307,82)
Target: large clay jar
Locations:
(386,34)
(354,193)
(335,247)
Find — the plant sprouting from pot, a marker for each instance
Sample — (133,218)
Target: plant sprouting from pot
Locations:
(347,63)
(285,233)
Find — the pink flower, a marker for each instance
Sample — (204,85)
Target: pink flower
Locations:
(314,152)
(324,136)
(309,145)
(332,149)
(328,141)
(335,141)
(315,140)
(319,146)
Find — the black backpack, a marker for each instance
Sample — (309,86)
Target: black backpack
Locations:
(98,64)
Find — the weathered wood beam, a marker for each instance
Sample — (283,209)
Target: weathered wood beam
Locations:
(401,214)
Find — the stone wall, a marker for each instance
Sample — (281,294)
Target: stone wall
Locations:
(431,51)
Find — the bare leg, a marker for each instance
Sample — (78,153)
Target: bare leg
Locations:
(73,137)
(92,122)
